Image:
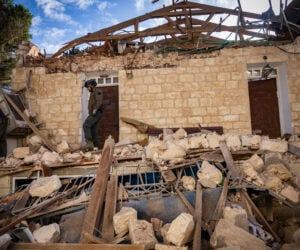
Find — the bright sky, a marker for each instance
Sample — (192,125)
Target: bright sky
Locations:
(56,22)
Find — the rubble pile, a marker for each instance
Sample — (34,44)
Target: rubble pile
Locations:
(180,191)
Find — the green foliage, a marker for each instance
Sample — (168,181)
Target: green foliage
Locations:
(15,22)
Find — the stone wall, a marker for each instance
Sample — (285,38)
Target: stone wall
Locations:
(56,100)
(167,90)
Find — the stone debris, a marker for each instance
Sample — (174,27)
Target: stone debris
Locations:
(122,218)
(44,186)
(209,175)
(181,230)
(48,233)
(21,153)
(141,233)
(227,234)
(264,165)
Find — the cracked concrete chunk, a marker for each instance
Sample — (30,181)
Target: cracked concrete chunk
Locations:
(47,234)
(122,218)
(44,186)
(141,233)
(181,229)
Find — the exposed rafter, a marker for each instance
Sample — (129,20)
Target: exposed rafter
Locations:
(184,21)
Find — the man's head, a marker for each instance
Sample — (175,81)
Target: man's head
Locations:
(90,84)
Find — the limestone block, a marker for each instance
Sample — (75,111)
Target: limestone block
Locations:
(5,240)
(181,229)
(121,220)
(63,147)
(256,162)
(226,234)
(188,183)
(47,234)
(21,152)
(296,236)
(209,175)
(246,140)
(173,151)
(198,141)
(169,247)
(276,145)
(163,231)
(155,146)
(50,158)
(72,157)
(214,140)
(250,141)
(279,170)
(237,216)
(184,143)
(290,193)
(71,227)
(252,174)
(255,142)
(44,186)
(273,182)
(34,143)
(30,159)
(180,134)
(141,233)
(233,142)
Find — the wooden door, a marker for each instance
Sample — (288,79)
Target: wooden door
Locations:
(264,107)
(109,123)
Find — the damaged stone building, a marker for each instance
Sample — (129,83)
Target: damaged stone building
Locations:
(231,104)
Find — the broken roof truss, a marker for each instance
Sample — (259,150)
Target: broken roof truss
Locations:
(186,26)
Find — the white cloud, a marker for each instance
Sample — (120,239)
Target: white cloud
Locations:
(55,34)
(105,5)
(35,21)
(82,4)
(139,5)
(55,10)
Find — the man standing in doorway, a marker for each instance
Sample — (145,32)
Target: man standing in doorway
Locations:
(91,123)
(3,127)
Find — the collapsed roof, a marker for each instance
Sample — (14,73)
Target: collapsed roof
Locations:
(193,27)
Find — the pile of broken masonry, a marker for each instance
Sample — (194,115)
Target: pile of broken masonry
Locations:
(252,180)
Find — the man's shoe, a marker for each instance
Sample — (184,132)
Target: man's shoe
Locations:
(89,145)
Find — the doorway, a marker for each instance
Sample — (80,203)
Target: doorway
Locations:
(109,123)
(264,108)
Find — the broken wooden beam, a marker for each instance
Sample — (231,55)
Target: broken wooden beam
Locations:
(198,218)
(259,215)
(140,126)
(30,124)
(108,232)
(234,171)
(72,246)
(94,210)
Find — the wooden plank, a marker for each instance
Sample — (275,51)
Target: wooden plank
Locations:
(259,215)
(185,201)
(220,207)
(36,209)
(234,172)
(110,209)
(29,123)
(21,203)
(198,218)
(94,211)
(72,246)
